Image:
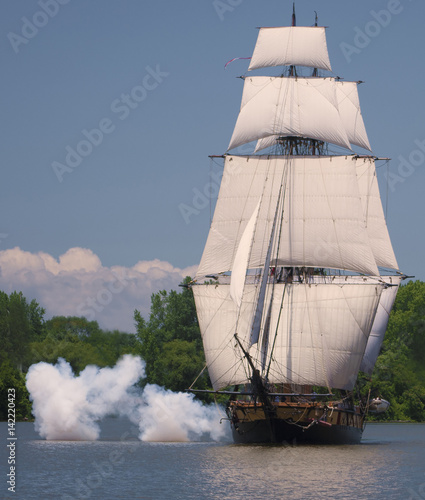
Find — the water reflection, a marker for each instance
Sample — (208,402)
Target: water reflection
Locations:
(375,469)
(389,463)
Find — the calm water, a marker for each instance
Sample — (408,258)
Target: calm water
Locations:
(389,463)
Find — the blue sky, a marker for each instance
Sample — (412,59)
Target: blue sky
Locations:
(123,202)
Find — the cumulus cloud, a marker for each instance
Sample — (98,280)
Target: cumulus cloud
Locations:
(77,284)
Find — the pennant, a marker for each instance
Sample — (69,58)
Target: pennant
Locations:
(235,59)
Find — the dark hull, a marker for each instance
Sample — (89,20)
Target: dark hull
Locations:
(281,432)
(315,424)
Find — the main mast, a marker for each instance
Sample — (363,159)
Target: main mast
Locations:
(297,235)
(292,69)
(295,145)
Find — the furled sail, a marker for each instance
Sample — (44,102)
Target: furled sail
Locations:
(379,326)
(291,45)
(321,331)
(323,223)
(302,107)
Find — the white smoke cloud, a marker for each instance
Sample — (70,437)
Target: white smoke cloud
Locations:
(170,416)
(77,284)
(69,407)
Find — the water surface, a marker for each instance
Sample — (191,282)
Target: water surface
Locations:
(389,463)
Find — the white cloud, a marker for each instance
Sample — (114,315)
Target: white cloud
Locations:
(77,284)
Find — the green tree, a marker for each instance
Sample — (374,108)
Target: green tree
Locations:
(170,341)
(113,345)
(71,327)
(20,324)
(6,345)
(12,378)
(81,342)
(26,338)
(399,374)
(179,364)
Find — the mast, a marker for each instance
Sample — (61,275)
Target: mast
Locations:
(259,390)
(292,70)
(258,386)
(315,73)
(282,219)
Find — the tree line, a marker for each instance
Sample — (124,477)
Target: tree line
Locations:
(399,374)
(170,343)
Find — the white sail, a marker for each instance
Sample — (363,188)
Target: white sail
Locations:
(291,45)
(302,107)
(218,316)
(323,221)
(349,112)
(282,223)
(379,326)
(374,214)
(256,324)
(321,332)
(240,262)
(266,142)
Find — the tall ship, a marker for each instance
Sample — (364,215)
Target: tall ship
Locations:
(298,275)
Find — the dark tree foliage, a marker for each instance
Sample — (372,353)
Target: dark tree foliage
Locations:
(26,338)
(20,324)
(12,378)
(399,374)
(81,342)
(170,341)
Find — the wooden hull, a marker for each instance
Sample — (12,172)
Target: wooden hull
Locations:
(299,422)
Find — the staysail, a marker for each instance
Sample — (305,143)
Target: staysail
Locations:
(240,262)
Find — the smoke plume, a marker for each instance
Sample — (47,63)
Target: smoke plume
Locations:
(69,407)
